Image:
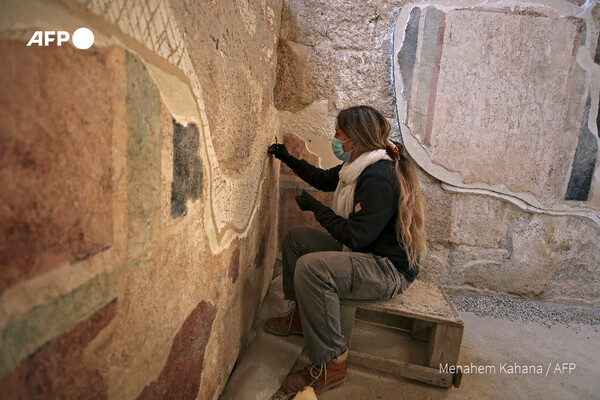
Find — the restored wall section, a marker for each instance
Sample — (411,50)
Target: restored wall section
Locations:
(138,231)
(498,106)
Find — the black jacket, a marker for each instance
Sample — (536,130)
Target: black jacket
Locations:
(372,228)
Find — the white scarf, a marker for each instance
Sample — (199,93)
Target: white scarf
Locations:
(343,199)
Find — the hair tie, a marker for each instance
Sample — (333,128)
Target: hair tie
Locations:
(394,150)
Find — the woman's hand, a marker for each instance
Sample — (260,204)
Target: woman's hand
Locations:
(279,151)
(305,201)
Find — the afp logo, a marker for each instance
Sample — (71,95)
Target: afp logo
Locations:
(82,38)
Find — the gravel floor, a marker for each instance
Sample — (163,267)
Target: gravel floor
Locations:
(522,310)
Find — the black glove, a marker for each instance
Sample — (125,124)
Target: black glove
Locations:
(280,152)
(306,201)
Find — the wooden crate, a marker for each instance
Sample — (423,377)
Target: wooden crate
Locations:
(425,313)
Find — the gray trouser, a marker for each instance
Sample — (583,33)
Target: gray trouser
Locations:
(317,274)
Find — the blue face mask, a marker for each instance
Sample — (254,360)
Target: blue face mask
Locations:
(338,150)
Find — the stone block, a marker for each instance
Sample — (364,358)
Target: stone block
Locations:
(370,66)
(438,210)
(316,127)
(351,25)
(313,120)
(479,268)
(434,266)
(547,257)
(300,22)
(289,70)
(483,221)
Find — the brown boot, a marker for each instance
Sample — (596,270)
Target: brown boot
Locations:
(320,377)
(289,324)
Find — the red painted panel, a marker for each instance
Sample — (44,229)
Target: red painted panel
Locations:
(57,371)
(55,157)
(291,215)
(180,377)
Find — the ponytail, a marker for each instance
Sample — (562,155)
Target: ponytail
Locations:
(410,225)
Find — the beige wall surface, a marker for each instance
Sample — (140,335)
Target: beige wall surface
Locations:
(138,228)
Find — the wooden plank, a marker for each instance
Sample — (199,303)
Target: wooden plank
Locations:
(420,373)
(387,342)
(426,301)
(457,379)
(444,345)
(421,330)
(347,323)
(391,320)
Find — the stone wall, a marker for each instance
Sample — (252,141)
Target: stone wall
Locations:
(497,103)
(137,216)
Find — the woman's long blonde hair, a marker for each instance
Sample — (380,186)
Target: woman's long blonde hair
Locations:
(370,130)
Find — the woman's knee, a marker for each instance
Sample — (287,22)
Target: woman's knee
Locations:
(307,269)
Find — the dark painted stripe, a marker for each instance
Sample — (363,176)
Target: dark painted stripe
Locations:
(584,162)
(408,53)
(504,10)
(434,78)
(187,168)
(234,265)
(582,27)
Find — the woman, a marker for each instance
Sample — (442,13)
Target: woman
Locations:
(375,237)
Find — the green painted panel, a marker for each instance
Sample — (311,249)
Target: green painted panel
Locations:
(24,335)
(143,158)
(428,49)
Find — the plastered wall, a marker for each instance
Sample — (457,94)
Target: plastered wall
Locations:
(497,103)
(138,212)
